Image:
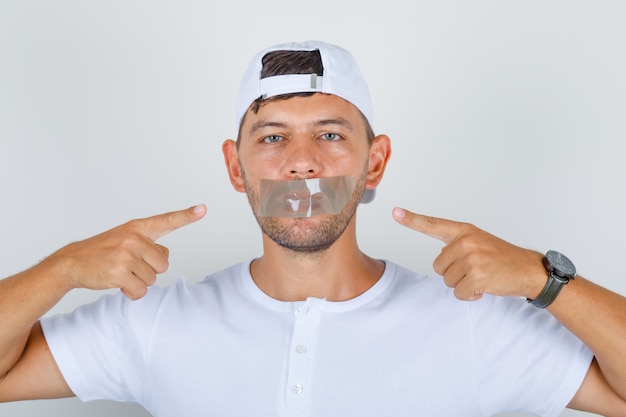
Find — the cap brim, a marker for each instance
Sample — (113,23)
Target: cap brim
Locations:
(368,196)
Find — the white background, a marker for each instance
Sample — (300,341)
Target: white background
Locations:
(506,114)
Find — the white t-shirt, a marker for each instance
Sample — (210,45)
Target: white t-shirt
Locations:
(406,347)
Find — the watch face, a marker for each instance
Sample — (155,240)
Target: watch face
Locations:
(561,264)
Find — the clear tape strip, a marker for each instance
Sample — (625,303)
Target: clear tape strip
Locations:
(305,198)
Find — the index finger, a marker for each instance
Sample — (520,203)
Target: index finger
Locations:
(442,229)
(157,226)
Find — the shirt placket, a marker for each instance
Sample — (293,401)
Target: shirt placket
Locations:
(298,388)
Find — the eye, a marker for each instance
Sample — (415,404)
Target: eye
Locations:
(272,139)
(331,136)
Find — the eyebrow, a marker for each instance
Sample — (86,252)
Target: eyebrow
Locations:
(261,124)
(338,121)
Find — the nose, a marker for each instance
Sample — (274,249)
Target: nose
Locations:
(302,159)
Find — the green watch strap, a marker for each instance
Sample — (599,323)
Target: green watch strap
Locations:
(550,291)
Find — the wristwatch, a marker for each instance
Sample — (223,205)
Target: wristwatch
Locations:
(560,271)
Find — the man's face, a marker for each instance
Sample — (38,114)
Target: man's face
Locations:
(299,138)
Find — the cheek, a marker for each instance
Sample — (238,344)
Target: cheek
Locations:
(344,161)
(258,168)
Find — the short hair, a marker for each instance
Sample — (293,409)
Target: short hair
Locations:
(292,62)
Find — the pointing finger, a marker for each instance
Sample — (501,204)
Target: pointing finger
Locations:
(442,229)
(157,226)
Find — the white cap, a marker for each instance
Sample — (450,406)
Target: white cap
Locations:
(341,77)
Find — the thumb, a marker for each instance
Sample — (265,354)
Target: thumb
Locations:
(442,229)
(157,226)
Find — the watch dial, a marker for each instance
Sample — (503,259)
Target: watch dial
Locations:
(561,263)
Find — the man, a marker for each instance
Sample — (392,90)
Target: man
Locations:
(314,326)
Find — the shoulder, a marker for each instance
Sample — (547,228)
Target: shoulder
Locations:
(182,297)
(424,295)
(489,315)
(418,284)
(188,293)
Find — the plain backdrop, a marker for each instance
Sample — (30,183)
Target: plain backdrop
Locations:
(506,114)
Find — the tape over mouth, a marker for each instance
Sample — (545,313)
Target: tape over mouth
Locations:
(308,197)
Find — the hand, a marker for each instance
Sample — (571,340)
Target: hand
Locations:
(126,257)
(474,262)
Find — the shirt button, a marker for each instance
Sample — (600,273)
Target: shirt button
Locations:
(297,389)
(302,349)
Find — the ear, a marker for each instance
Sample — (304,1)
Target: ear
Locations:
(379,154)
(233,165)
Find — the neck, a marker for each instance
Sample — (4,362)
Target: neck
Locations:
(338,273)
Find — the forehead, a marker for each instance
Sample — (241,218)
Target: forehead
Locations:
(302,112)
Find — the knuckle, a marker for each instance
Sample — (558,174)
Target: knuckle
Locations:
(130,240)
(132,224)
(458,294)
(164,250)
(117,270)
(437,268)
(449,283)
(467,227)
(463,293)
(467,244)
(141,292)
(161,266)
(151,279)
(168,218)
(173,219)
(135,293)
(472,262)
(433,221)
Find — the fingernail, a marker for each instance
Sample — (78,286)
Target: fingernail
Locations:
(198,209)
(399,213)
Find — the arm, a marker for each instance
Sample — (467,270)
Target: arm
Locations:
(125,257)
(474,262)
(598,317)
(23,299)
